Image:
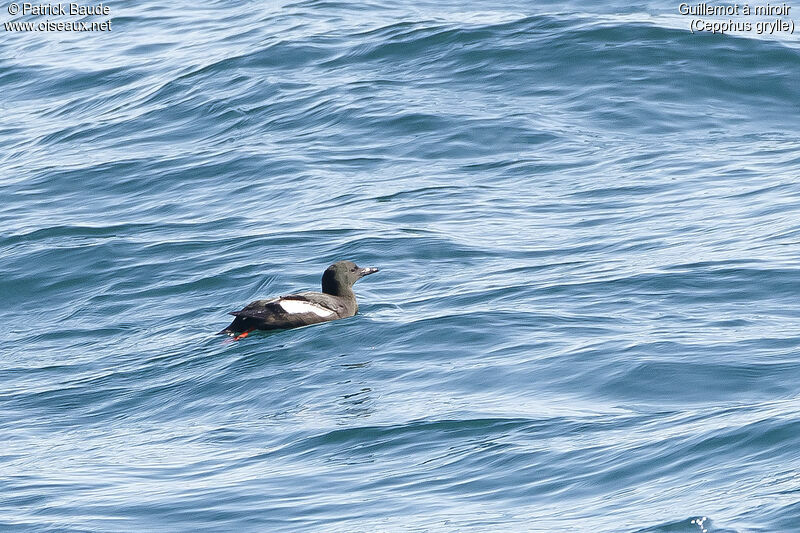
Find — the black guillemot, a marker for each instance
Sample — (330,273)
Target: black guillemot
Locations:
(337,300)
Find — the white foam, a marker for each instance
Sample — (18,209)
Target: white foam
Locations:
(300,307)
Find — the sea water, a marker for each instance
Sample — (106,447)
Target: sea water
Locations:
(587,220)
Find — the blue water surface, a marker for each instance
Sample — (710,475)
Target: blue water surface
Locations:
(587,220)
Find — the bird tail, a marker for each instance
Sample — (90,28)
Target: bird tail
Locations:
(239,325)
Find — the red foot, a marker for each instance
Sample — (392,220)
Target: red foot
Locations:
(243,335)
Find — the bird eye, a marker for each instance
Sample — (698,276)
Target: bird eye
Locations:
(353,269)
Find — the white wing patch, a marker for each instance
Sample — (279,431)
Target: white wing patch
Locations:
(301,307)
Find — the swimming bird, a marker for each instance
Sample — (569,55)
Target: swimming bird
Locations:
(337,300)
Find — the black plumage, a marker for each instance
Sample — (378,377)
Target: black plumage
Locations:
(337,300)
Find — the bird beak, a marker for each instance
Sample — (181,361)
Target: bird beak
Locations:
(367,271)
